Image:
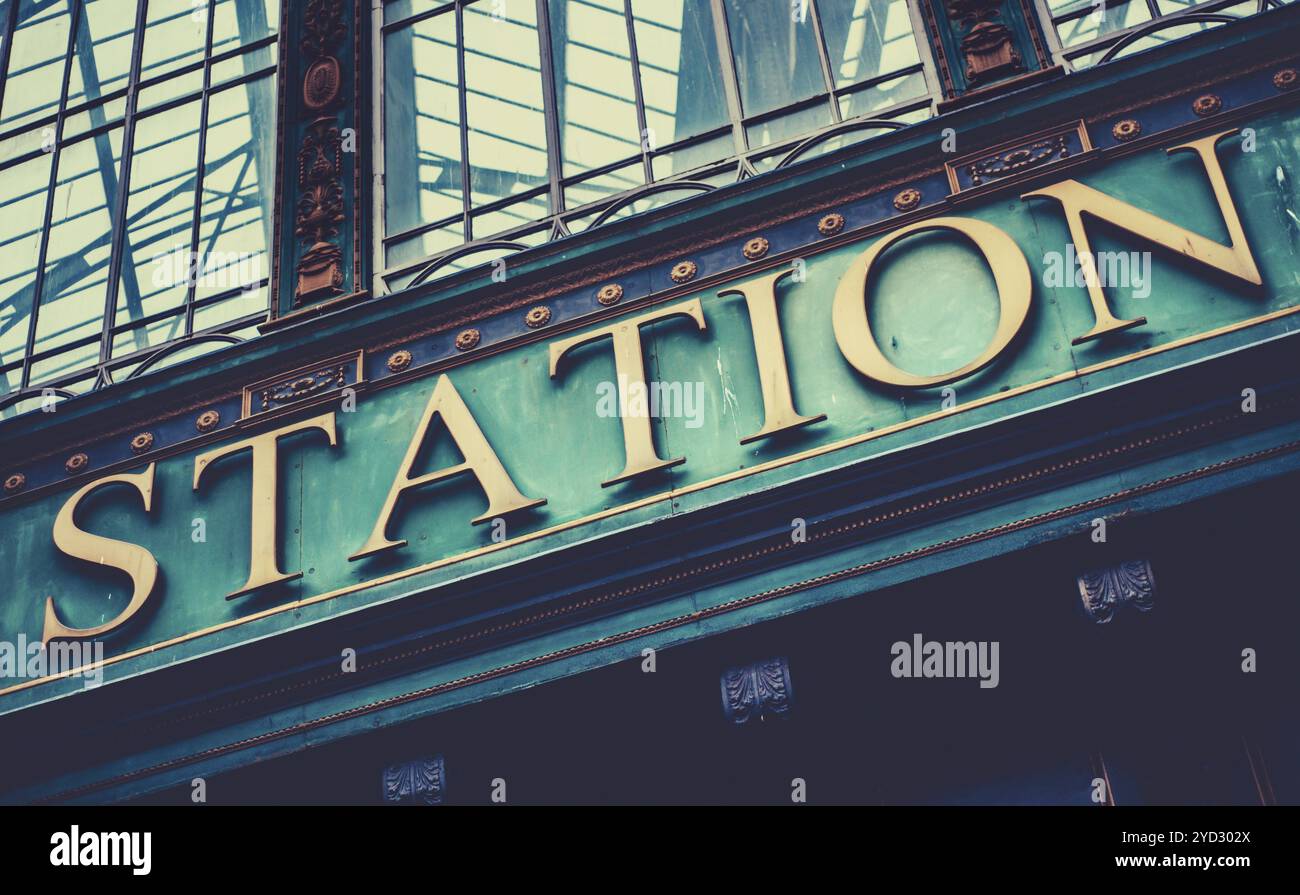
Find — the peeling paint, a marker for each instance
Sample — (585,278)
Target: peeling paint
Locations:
(730,403)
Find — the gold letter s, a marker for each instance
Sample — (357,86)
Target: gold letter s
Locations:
(132,559)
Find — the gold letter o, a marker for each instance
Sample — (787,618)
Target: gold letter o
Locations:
(849,313)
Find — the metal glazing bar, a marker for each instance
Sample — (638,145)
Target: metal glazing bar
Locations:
(823,54)
(193,260)
(38,285)
(118,249)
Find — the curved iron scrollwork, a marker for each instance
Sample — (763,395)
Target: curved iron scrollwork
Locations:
(174,347)
(104,376)
(760,690)
(472,248)
(839,131)
(557,225)
(34,391)
(649,190)
(1103,591)
(1217,18)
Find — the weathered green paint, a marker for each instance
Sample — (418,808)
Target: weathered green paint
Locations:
(685,604)
(935,308)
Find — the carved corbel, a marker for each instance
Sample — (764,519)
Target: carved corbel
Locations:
(418,782)
(760,690)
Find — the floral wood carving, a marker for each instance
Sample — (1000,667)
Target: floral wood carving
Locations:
(320,85)
(324,379)
(323,28)
(1004,164)
(320,211)
(319,163)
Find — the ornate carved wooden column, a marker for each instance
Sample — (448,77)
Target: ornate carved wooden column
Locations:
(985,46)
(321,217)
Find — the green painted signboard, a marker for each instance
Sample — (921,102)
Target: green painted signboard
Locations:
(804,365)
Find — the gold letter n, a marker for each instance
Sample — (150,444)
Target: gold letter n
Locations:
(1234,259)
